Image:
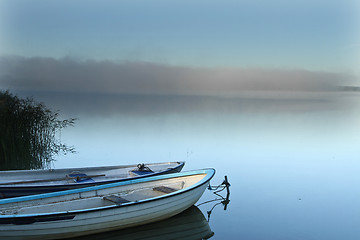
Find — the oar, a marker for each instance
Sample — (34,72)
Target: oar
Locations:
(55,179)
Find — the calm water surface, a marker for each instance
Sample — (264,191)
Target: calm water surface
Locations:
(292,161)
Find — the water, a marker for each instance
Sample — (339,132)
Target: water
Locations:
(292,159)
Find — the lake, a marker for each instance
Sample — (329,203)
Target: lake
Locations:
(292,158)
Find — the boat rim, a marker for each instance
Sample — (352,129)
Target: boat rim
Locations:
(97,168)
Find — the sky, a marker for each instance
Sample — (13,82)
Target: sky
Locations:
(180,47)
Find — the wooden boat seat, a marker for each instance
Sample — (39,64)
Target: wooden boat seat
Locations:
(116,199)
(164,189)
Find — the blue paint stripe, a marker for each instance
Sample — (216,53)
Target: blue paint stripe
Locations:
(209,174)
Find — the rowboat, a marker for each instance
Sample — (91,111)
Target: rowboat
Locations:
(101,208)
(29,182)
(191,224)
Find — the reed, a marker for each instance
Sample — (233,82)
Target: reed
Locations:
(29,133)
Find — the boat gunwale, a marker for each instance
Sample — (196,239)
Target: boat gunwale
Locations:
(83,168)
(210,172)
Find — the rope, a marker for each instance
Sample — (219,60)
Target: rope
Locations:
(223,200)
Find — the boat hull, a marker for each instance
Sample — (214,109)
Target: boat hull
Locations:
(188,225)
(100,220)
(18,190)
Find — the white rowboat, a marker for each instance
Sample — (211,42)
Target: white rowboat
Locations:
(29,182)
(101,208)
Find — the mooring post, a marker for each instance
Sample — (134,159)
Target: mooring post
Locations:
(227,185)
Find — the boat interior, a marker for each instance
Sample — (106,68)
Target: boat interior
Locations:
(125,194)
(80,175)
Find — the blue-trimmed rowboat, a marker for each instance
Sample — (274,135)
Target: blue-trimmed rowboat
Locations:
(101,208)
(29,182)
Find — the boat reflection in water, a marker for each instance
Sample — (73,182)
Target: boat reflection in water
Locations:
(190,224)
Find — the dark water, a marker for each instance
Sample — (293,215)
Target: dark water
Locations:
(292,159)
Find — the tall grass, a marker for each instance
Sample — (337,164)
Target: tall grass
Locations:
(29,133)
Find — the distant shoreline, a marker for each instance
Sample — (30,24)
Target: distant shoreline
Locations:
(350,88)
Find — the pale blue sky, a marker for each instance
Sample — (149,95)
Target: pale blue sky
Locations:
(301,34)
